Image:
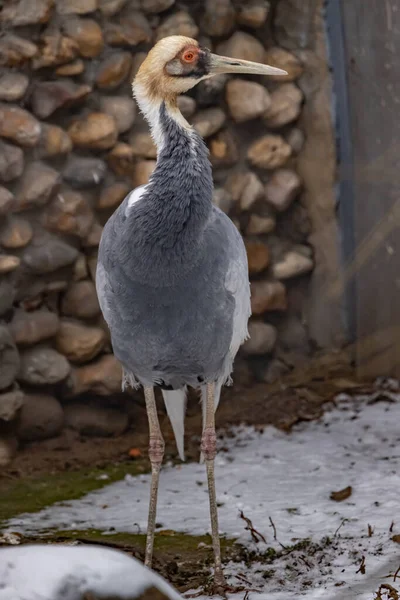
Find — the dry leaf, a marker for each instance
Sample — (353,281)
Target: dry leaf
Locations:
(342,494)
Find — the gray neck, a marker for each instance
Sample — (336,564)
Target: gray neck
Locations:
(170,218)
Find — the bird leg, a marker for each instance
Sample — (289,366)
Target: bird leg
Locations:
(156,453)
(209,450)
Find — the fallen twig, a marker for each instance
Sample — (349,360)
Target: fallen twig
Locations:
(255,535)
(340,526)
(273,527)
(361,568)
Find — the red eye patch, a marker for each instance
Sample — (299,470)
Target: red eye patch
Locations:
(189,56)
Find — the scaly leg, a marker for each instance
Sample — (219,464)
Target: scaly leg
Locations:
(156,453)
(209,450)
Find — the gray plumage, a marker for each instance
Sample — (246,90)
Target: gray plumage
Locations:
(172,275)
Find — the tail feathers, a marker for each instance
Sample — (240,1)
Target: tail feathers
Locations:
(217,395)
(175,402)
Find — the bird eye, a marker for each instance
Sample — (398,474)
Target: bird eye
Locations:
(189,56)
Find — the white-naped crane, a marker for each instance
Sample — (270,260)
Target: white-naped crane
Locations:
(172,275)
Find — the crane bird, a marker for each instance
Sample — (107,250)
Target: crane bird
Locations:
(172,275)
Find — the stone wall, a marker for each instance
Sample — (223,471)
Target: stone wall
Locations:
(72,144)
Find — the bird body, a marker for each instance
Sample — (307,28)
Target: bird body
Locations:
(172,275)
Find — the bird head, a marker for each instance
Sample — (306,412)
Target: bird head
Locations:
(177,63)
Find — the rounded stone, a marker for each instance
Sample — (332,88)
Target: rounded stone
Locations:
(260,224)
(15,51)
(55,49)
(16,234)
(253,13)
(94,236)
(102,377)
(121,158)
(41,418)
(179,23)
(26,12)
(186,105)
(113,70)
(130,29)
(223,149)
(49,96)
(121,108)
(112,196)
(43,366)
(142,145)
(155,6)
(10,403)
(209,121)
(46,254)
(79,7)
(29,328)
(286,102)
(8,263)
(80,268)
(242,45)
(110,8)
(9,358)
(142,171)
(278,57)
(269,152)
(257,256)
(19,126)
(246,99)
(96,130)
(11,162)
(69,213)
(219,18)
(84,172)
(75,67)
(87,34)
(78,342)
(268,296)
(6,201)
(282,188)
(8,293)
(295,138)
(245,188)
(37,186)
(54,141)
(291,265)
(262,338)
(210,92)
(80,300)
(223,199)
(13,86)
(95,420)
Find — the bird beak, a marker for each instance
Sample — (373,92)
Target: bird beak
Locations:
(223,64)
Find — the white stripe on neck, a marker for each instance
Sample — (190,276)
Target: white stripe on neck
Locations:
(151,111)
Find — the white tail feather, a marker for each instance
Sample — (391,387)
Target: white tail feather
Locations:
(175,402)
(217,396)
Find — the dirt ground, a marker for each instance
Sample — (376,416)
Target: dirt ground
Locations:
(186,560)
(299,396)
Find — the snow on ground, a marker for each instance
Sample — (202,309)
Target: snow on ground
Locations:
(285,477)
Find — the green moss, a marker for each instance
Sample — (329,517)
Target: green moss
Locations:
(34,493)
(166,540)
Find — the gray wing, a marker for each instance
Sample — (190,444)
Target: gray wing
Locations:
(181,333)
(237,283)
